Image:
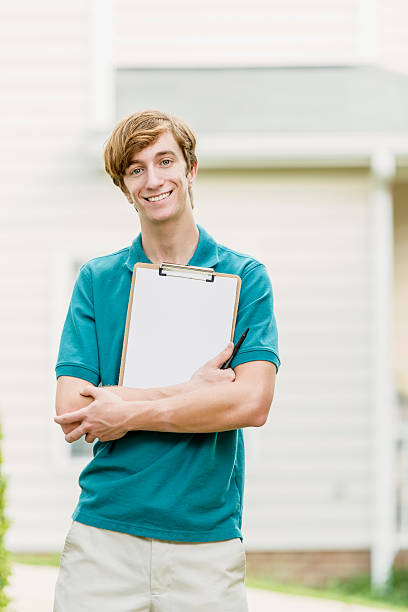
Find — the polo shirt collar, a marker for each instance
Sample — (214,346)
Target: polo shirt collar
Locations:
(205,255)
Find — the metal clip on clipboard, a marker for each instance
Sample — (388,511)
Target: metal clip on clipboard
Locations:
(203,274)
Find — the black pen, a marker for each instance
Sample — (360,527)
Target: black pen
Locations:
(235,351)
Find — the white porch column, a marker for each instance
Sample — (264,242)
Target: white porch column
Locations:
(383,547)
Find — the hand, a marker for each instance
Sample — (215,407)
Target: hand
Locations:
(104,418)
(210,372)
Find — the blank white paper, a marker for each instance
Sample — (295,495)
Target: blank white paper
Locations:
(176,325)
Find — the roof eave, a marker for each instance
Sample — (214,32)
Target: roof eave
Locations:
(353,149)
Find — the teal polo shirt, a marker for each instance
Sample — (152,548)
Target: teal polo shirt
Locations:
(184,487)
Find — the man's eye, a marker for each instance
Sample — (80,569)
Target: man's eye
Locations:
(166,162)
(136,171)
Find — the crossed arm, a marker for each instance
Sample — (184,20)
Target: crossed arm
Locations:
(212,400)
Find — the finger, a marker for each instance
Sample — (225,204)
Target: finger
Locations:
(224,355)
(231,373)
(69,417)
(90,438)
(227,375)
(89,390)
(75,434)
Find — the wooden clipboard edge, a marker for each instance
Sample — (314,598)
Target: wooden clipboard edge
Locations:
(130,302)
(238,291)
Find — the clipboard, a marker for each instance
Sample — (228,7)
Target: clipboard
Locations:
(178,318)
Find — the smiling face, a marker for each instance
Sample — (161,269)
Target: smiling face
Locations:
(157,181)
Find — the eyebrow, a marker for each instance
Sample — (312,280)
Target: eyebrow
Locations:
(159,154)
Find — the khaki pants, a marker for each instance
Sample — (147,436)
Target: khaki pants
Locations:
(108,571)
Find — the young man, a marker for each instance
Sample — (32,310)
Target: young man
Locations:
(158,523)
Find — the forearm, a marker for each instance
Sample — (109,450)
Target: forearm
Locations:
(219,407)
(240,399)
(157,393)
(208,374)
(69,398)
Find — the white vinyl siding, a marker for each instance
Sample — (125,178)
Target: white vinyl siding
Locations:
(44,116)
(236,34)
(308,470)
(392,34)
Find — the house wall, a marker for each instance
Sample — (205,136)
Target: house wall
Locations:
(308,472)
(234,34)
(308,476)
(339,32)
(43,117)
(313,568)
(391,35)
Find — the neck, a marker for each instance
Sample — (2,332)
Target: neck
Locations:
(173,241)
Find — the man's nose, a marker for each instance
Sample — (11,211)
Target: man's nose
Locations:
(154,177)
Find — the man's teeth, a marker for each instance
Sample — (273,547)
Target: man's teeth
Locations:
(159,197)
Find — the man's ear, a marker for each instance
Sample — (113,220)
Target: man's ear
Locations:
(129,198)
(127,195)
(193,173)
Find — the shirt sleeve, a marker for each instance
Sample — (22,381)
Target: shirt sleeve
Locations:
(255,310)
(78,351)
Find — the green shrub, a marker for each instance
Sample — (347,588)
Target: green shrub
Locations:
(4,523)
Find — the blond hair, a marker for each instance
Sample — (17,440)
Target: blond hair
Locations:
(140,130)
